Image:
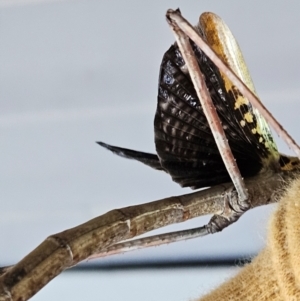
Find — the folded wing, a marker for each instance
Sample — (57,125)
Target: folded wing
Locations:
(184,143)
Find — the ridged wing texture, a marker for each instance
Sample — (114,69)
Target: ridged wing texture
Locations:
(183,139)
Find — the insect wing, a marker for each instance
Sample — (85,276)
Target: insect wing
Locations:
(184,142)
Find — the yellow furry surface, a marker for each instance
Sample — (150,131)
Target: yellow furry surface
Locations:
(275,273)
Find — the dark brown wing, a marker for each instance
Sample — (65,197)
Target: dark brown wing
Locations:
(184,143)
(183,139)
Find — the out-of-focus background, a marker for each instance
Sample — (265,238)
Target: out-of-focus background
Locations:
(74,72)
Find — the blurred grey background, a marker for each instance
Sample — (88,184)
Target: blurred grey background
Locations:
(75,72)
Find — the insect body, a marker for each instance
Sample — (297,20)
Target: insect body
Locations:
(184,142)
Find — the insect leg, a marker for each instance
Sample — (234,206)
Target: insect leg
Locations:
(211,114)
(231,213)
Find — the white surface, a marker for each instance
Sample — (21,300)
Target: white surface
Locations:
(75,72)
(175,285)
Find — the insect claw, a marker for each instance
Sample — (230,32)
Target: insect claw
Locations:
(233,210)
(217,223)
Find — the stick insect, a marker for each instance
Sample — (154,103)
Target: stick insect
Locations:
(264,170)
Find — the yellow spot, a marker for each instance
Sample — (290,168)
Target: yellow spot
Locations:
(243,123)
(253,131)
(248,117)
(239,101)
(260,139)
(258,130)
